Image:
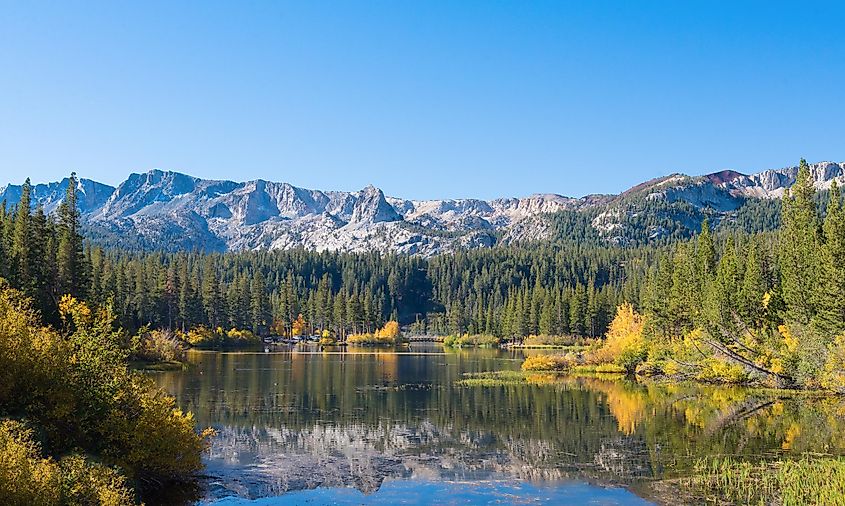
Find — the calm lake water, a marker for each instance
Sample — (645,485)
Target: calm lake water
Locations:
(385,427)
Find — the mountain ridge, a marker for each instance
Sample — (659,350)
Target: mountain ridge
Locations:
(163,209)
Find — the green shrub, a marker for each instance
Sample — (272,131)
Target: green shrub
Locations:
(544,340)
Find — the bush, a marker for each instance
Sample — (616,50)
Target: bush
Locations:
(204,337)
(27,478)
(77,391)
(624,344)
(157,346)
(547,363)
(610,369)
(470,340)
(833,376)
(389,334)
(714,370)
(547,340)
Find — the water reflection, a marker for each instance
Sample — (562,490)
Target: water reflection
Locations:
(295,421)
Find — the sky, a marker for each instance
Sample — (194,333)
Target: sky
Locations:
(424,99)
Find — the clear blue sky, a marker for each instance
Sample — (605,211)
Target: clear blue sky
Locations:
(424,99)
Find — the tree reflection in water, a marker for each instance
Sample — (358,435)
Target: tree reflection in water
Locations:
(293,421)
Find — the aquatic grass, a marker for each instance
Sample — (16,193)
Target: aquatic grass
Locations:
(528,377)
(810,480)
(574,348)
(492,379)
(600,369)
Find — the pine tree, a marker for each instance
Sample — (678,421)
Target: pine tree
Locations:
(259,312)
(750,304)
(186,303)
(456,317)
(684,301)
(170,294)
(42,260)
(353,312)
(799,246)
(211,296)
(22,242)
(723,292)
(578,311)
(547,316)
(705,253)
(830,318)
(72,268)
(339,315)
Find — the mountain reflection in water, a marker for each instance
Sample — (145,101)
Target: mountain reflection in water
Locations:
(301,421)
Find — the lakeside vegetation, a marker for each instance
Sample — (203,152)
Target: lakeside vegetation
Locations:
(387,335)
(810,480)
(79,427)
(470,341)
(76,425)
(769,311)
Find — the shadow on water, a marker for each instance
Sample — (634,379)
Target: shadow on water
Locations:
(371,422)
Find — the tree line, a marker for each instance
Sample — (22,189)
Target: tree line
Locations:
(772,302)
(566,287)
(41,255)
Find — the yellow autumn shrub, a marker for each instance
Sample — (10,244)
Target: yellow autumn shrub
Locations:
(77,393)
(714,370)
(547,363)
(205,337)
(385,335)
(28,478)
(833,375)
(624,344)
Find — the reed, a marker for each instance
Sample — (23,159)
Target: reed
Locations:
(810,480)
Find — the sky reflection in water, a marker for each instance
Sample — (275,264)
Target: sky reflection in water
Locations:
(376,427)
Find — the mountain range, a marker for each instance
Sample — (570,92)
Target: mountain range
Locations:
(171,211)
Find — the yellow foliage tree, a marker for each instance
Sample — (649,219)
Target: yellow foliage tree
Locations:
(298,325)
(624,343)
(390,330)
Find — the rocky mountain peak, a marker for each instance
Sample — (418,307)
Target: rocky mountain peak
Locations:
(162,209)
(724,176)
(372,207)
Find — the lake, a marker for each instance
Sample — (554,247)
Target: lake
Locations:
(369,426)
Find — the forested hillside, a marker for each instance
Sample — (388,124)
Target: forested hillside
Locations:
(570,286)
